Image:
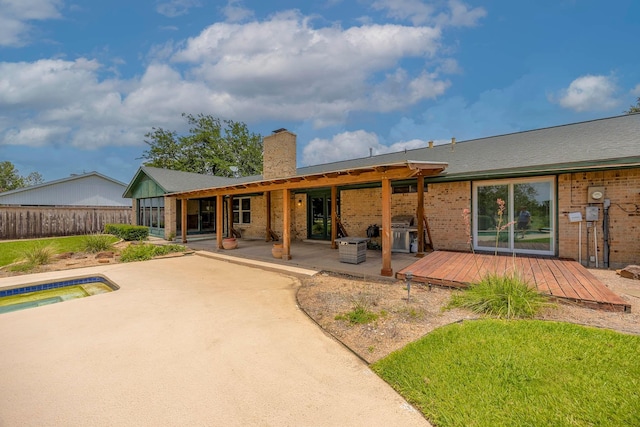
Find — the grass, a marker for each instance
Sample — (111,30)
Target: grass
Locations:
(505,296)
(13,251)
(519,373)
(146,251)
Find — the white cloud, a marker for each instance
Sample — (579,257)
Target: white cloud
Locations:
(352,145)
(305,71)
(636,90)
(235,12)
(589,93)
(282,68)
(16,15)
(452,13)
(174,8)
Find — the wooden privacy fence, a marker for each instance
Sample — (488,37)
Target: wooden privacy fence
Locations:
(21,222)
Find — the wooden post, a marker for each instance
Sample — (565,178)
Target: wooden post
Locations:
(386,228)
(230,217)
(219,215)
(183,216)
(334,216)
(267,231)
(420,216)
(286,224)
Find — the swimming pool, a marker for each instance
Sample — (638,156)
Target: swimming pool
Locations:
(38,294)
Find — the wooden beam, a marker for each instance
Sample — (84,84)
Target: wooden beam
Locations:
(386,228)
(286,224)
(420,216)
(219,215)
(334,216)
(183,218)
(314,181)
(267,202)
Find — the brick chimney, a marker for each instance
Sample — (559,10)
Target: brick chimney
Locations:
(279,158)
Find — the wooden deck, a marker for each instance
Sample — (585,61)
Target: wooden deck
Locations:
(558,278)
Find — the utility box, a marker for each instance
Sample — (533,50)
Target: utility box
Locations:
(352,250)
(592,213)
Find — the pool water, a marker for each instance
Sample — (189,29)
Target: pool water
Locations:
(50,293)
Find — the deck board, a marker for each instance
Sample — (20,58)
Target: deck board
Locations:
(559,278)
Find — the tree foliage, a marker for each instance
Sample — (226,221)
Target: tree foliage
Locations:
(10,178)
(634,108)
(212,147)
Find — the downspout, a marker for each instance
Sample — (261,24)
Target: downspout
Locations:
(605,233)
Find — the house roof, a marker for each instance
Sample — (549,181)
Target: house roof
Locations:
(598,143)
(172,181)
(88,189)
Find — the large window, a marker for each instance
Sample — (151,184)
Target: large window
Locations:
(242,210)
(524,222)
(151,214)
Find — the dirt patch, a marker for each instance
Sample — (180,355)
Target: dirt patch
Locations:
(401,320)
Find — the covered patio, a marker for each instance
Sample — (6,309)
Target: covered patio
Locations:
(334,180)
(308,255)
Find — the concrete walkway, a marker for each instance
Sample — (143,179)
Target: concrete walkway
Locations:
(185,341)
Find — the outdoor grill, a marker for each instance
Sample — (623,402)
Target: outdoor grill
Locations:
(403,231)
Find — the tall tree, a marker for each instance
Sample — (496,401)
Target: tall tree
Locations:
(10,179)
(634,108)
(212,147)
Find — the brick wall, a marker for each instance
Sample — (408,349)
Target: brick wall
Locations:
(622,187)
(171,217)
(443,207)
(256,230)
(279,157)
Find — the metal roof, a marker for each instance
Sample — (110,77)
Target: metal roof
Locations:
(89,189)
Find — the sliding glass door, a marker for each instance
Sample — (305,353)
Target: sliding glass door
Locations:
(515,216)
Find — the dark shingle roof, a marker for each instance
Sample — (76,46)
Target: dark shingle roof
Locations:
(593,142)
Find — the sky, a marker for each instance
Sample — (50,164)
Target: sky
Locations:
(82,81)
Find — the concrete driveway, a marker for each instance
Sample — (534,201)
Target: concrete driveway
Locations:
(187,341)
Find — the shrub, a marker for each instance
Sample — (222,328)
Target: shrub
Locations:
(146,252)
(127,232)
(94,243)
(39,254)
(502,295)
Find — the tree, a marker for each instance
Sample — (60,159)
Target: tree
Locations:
(212,147)
(634,108)
(34,178)
(10,179)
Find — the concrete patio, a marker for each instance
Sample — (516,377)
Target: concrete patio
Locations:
(185,341)
(315,255)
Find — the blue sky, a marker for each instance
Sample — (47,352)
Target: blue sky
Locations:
(82,81)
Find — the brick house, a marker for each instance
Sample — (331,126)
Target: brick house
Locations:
(579,185)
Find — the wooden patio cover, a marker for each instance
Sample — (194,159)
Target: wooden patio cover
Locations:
(384,174)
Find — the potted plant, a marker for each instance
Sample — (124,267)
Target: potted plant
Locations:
(229,243)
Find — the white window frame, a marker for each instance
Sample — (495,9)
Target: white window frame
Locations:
(241,211)
(511,214)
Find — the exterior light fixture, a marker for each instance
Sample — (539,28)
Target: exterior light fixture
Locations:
(408,278)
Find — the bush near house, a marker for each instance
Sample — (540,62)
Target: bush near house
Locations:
(127,232)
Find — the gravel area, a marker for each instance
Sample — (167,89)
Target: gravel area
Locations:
(403,320)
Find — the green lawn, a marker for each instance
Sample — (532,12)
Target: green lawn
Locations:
(12,251)
(520,373)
